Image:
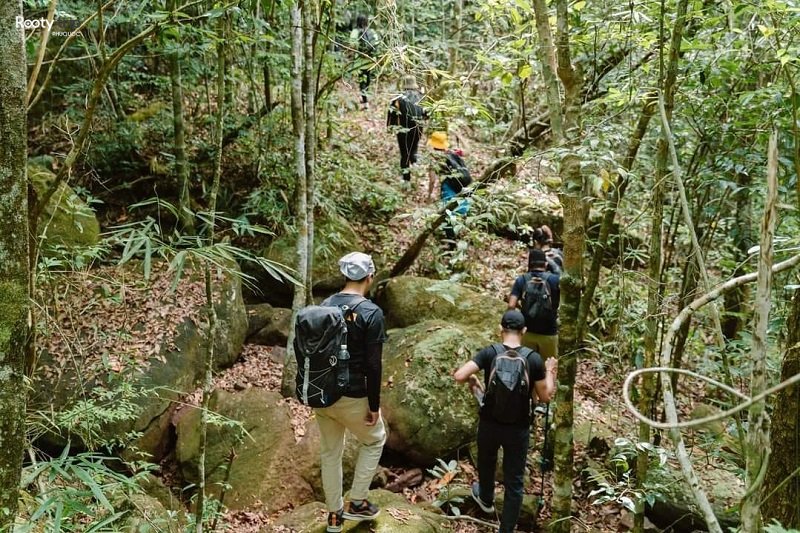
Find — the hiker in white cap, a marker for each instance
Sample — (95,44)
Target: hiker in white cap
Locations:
(358,410)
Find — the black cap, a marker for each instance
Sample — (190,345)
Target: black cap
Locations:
(537,257)
(513,319)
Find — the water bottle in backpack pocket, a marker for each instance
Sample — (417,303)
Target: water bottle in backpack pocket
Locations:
(507,398)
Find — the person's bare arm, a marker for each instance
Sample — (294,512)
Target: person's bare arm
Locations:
(467,369)
(545,389)
(512,302)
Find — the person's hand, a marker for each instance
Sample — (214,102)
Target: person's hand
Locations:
(372,417)
(475,384)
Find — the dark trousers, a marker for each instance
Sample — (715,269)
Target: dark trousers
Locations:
(408,141)
(514,441)
(364,79)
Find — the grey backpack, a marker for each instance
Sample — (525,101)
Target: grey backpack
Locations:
(507,398)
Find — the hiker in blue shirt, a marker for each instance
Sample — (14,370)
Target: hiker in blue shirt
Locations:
(451,171)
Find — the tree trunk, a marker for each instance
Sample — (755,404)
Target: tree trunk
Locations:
(742,241)
(15,271)
(566,131)
(782,485)
(310,118)
(301,188)
(208,378)
(646,403)
(757,445)
(181,164)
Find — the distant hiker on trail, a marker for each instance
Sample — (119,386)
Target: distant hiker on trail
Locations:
(405,116)
(538,296)
(367,46)
(542,239)
(343,385)
(505,416)
(453,174)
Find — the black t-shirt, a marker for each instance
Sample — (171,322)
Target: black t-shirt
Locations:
(364,333)
(536,370)
(548,327)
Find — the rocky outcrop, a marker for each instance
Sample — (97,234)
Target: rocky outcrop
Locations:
(397,516)
(266,464)
(267,325)
(120,365)
(429,415)
(409,300)
(66,221)
(333,238)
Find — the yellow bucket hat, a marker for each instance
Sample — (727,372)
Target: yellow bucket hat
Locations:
(438,140)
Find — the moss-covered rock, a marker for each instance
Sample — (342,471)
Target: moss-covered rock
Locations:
(333,238)
(268,326)
(71,377)
(428,413)
(268,466)
(396,516)
(675,507)
(66,220)
(409,300)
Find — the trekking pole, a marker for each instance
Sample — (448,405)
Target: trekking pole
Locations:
(543,461)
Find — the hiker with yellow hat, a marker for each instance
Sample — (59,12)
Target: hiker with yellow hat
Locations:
(405,118)
(451,170)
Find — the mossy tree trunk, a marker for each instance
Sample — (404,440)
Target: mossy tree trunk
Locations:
(178,132)
(15,273)
(565,125)
(782,485)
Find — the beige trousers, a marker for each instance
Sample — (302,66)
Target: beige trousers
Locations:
(348,413)
(546,345)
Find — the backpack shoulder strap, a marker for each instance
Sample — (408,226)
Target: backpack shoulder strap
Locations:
(498,348)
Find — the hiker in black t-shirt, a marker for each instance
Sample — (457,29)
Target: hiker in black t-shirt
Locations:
(405,117)
(359,409)
(513,436)
(542,334)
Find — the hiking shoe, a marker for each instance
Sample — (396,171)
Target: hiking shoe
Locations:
(361,511)
(476,496)
(335,521)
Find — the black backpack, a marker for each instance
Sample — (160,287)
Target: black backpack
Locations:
(537,302)
(458,175)
(320,348)
(368,43)
(507,398)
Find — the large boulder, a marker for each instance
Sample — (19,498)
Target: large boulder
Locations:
(409,300)
(66,220)
(265,464)
(268,326)
(117,367)
(674,508)
(429,415)
(272,465)
(333,238)
(397,516)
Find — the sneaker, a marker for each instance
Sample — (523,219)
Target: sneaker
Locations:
(335,521)
(406,186)
(476,496)
(361,511)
